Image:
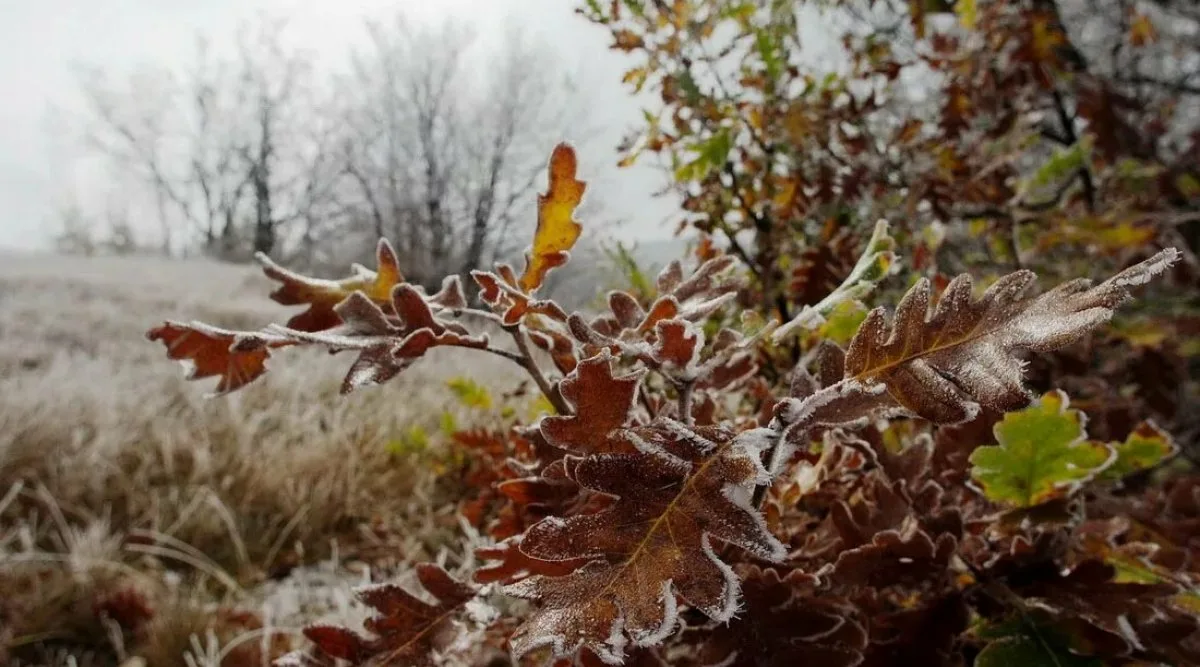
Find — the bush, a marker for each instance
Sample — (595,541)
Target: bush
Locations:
(900,499)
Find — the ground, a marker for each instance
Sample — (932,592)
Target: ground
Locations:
(142,523)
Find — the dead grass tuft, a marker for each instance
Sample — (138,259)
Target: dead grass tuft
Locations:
(124,481)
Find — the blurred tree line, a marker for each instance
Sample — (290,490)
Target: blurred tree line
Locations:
(429,136)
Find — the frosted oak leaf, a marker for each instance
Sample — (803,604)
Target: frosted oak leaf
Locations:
(683,494)
(944,365)
(404,630)
(321,296)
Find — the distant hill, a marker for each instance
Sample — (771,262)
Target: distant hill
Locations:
(590,275)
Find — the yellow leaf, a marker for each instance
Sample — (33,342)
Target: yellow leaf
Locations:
(1046,39)
(557,229)
(636,76)
(967,13)
(1141,31)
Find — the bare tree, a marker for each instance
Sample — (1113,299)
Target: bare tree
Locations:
(431,138)
(233,151)
(448,139)
(131,128)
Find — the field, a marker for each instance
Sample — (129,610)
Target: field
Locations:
(213,526)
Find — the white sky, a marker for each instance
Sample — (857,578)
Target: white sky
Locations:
(40,41)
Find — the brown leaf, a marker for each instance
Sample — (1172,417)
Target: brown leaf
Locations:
(602,403)
(677,498)
(1118,619)
(322,295)
(944,366)
(510,565)
(678,345)
(405,630)
(386,345)
(787,622)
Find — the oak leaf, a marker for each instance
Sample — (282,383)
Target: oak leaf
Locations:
(1115,618)
(213,352)
(1147,446)
(557,229)
(321,295)
(602,403)
(405,629)
(387,344)
(944,366)
(1030,641)
(786,622)
(677,498)
(1043,454)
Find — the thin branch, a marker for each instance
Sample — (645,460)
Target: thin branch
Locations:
(1182,87)
(551,392)
(511,356)
(686,389)
(1068,128)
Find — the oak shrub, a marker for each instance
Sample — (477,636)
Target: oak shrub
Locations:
(901,498)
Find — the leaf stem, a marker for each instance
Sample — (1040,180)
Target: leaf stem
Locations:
(686,389)
(526,360)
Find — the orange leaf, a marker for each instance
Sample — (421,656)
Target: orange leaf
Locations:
(1142,31)
(211,353)
(557,229)
(322,295)
(627,40)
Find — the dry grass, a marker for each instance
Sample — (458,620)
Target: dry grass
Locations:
(118,478)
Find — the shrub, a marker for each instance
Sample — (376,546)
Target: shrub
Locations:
(903,499)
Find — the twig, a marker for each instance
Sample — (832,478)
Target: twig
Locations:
(685,401)
(475,312)
(1068,128)
(511,356)
(551,392)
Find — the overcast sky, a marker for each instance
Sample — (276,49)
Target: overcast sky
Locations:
(41,40)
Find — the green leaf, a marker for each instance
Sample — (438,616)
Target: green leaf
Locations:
(1021,643)
(448,424)
(470,393)
(1146,447)
(711,154)
(842,322)
(1188,185)
(771,52)
(1043,454)
(413,441)
(1063,163)
(691,91)
(876,262)
(967,13)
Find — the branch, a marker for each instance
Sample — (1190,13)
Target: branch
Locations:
(526,360)
(686,390)
(1068,127)
(1174,86)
